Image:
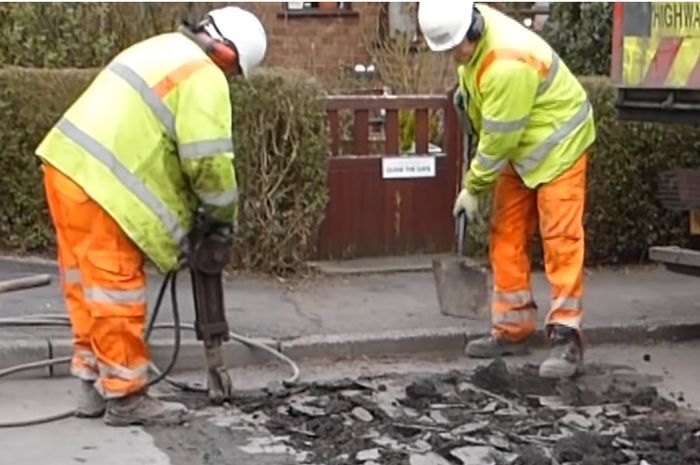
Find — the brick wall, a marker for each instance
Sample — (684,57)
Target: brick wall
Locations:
(322,46)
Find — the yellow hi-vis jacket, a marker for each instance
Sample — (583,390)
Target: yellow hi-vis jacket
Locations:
(150,140)
(526,106)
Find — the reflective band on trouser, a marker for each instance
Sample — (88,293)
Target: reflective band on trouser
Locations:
(219,199)
(513,314)
(126,177)
(84,365)
(111,296)
(205,148)
(514,325)
(567,303)
(566,311)
(534,158)
(516,299)
(149,96)
(525,316)
(117,381)
(491,163)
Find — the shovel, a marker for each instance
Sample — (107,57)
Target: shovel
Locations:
(462,285)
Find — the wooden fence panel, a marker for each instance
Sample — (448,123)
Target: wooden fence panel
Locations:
(370,215)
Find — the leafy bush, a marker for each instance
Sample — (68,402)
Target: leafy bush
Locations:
(83,35)
(281,157)
(581,33)
(26,114)
(623,215)
(407,129)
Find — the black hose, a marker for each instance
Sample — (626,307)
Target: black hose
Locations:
(38,421)
(159,301)
(176,323)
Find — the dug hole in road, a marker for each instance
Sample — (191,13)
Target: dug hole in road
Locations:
(633,405)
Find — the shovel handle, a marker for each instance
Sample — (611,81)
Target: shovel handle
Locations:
(461,233)
(466,152)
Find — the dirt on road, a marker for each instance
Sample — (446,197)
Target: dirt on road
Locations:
(491,415)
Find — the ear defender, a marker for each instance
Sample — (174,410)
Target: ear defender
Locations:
(223,56)
(222,53)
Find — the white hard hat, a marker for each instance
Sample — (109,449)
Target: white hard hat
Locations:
(444,23)
(244,30)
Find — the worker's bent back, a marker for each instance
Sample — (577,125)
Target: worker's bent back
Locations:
(149,140)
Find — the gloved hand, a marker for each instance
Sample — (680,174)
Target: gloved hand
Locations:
(207,226)
(467,203)
(207,246)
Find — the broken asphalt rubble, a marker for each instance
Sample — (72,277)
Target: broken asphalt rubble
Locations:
(493,416)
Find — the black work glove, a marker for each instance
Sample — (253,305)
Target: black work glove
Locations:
(208,245)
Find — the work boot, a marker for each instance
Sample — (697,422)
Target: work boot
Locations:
(142,409)
(566,353)
(90,402)
(494,347)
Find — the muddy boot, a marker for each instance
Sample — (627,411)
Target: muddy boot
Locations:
(493,347)
(90,402)
(566,354)
(142,409)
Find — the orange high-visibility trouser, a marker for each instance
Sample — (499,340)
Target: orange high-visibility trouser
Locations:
(104,284)
(559,206)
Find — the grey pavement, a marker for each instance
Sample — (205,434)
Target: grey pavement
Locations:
(372,303)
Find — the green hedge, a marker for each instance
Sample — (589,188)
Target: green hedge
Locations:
(623,217)
(281,158)
(581,33)
(84,35)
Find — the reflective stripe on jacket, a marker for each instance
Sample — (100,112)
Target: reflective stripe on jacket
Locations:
(150,140)
(525,104)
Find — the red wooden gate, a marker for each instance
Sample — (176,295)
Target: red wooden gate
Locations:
(368,215)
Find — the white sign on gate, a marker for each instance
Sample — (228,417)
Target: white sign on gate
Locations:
(408,167)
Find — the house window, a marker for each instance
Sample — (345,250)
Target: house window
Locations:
(305,9)
(402,20)
(398,26)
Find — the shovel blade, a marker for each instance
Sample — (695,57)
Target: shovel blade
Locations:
(463,288)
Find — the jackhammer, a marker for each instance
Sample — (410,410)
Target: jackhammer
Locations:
(209,253)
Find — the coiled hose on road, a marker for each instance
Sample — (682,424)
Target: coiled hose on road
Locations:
(59,320)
